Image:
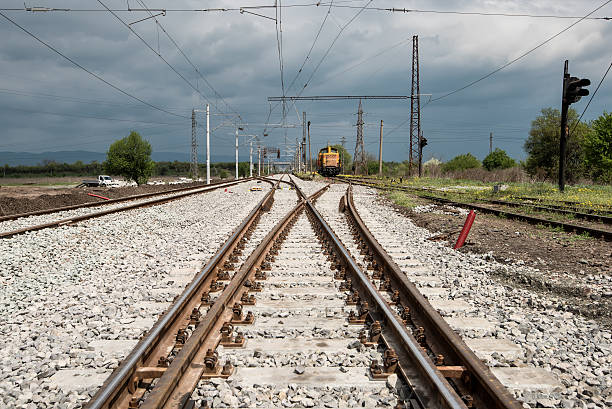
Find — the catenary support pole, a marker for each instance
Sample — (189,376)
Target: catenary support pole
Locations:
(236,154)
(207,144)
(380,149)
(251,160)
(309,155)
(490,143)
(563,141)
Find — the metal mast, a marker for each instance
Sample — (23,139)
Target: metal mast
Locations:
(194,147)
(359,160)
(415,107)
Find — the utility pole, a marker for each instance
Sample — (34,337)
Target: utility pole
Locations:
(237,153)
(309,154)
(360,159)
(251,161)
(572,92)
(343,142)
(380,150)
(490,143)
(304,138)
(194,147)
(415,106)
(207,144)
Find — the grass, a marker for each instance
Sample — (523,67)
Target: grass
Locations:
(585,197)
(401,199)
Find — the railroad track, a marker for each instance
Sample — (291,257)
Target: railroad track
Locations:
(593,231)
(293,318)
(26,222)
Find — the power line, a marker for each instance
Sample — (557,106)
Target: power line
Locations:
(279,43)
(311,47)
(520,56)
(155,52)
(378,54)
(190,62)
(591,99)
(88,71)
(332,44)
(316,4)
(86,116)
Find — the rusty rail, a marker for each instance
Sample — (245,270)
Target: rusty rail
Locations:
(174,387)
(71,220)
(115,390)
(479,382)
(568,227)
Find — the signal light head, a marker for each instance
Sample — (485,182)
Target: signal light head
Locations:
(574,91)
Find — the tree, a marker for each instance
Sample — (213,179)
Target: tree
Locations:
(498,159)
(542,145)
(597,145)
(461,162)
(347,159)
(130,157)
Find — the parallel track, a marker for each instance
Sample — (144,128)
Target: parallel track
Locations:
(183,192)
(568,227)
(101,203)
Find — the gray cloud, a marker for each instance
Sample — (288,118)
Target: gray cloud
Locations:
(238,55)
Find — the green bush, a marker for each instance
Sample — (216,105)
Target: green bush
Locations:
(498,159)
(130,157)
(597,146)
(461,162)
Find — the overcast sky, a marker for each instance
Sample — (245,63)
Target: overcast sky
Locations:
(48,104)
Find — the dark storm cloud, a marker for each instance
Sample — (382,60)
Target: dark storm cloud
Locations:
(239,57)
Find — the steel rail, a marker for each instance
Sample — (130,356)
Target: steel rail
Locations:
(75,219)
(586,216)
(106,202)
(435,389)
(591,216)
(183,374)
(486,389)
(115,386)
(568,227)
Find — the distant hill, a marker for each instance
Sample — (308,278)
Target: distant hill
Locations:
(30,159)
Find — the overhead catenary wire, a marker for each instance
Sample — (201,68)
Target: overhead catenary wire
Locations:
(158,24)
(75,63)
(126,25)
(549,39)
(314,71)
(315,4)
(311,47)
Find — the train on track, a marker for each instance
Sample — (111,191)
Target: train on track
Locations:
(329,162)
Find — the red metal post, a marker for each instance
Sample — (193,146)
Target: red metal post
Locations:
(466,229)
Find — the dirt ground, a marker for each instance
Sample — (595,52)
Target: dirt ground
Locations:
(575,269)
(28,198)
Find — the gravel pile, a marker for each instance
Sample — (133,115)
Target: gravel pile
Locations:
(576,350)
(66,289)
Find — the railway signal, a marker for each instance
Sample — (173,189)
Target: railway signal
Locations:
(572,92)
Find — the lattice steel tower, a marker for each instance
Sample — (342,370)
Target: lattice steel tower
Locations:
(194,147)
(359,159)
(415,108)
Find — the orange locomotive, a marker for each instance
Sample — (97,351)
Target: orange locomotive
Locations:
(328,162)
